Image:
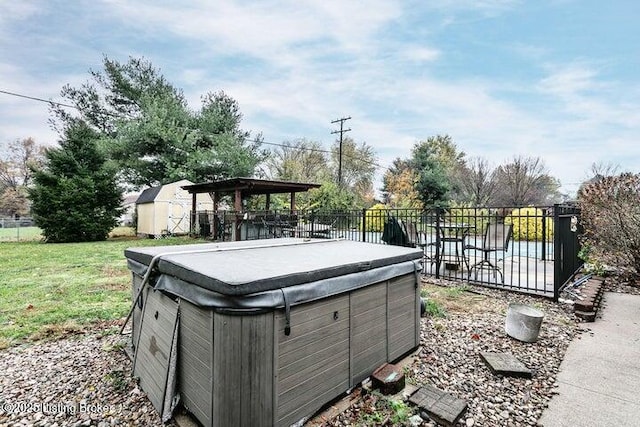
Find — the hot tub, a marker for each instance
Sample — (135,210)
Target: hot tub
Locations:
(266,332)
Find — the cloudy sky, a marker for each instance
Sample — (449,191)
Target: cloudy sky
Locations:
(556,79)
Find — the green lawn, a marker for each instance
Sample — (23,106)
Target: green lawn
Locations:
(49,289)
(19,234)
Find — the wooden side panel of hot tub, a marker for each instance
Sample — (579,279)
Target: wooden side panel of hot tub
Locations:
(313,361)
(243,370)
(403,316)
(195,361)
(368,330)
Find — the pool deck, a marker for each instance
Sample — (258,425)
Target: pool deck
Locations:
(521,274)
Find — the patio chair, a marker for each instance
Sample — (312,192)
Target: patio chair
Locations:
(418,239)
(496,239)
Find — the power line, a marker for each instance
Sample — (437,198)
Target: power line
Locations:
(61,104)
(33,98)
(370,162)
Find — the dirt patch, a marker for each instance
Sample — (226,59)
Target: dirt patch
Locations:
(457,298)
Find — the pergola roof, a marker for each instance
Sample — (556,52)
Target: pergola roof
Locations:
(250,186)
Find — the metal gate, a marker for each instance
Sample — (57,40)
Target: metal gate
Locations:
(566,245)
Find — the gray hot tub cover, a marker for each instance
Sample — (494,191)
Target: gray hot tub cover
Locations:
(261,273)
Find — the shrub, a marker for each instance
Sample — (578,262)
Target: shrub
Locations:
(375,217)
(611,222)
(527,224)
(476,217)
(75,197)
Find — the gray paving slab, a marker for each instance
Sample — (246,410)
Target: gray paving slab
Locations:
(441,406)
(599,378)
(505,364)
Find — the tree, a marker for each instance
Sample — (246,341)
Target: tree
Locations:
(523,182)
(300,160)
(75,197)
(398,185)
(331,197)
(610,216)
(434,162)
(476,182)
(358,168)
(13,201)
(146,126)
(16,165)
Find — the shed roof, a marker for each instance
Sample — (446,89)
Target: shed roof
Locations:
(250,186)
(148,195)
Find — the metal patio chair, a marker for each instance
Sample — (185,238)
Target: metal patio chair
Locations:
(418,239)
(496,239)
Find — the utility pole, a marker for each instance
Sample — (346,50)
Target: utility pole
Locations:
(341,132)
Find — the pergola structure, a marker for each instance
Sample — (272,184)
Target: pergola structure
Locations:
(241,188)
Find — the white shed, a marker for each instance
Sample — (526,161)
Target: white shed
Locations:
(164,210)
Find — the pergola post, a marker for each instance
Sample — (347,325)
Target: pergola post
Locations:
(216,220)
(237,204)
(293,201)
(192,225)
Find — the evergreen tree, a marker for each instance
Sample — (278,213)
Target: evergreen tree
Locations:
(75,197)
(147,128)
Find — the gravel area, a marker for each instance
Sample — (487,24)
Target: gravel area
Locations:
(79,381)
(86,379)
(449,359)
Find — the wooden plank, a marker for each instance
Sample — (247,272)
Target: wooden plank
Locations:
(195,361)
(310,345)
(305,319)
(367,362)
(295,400)
(401,344)
(257,362)
(295,343)
(312,358)
(306,370)
(363,321)
(312,406)
(196,347)
(363,340)
(227,352)
(296,380)
(368,298)
(368,331)
(401,318)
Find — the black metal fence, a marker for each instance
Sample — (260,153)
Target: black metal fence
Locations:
(532,249)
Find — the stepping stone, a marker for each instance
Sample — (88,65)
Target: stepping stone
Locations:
(505,364)
(388,378)
(440,406)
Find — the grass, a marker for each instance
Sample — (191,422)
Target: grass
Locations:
(442,300)
(20,234)
(48,290)
(32,234)
(382,410)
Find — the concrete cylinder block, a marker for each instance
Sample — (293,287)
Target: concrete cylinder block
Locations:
(523,322)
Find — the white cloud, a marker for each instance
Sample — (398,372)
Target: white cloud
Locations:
(294,66)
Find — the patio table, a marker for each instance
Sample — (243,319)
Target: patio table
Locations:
(453,233)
